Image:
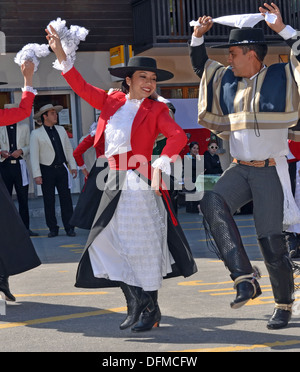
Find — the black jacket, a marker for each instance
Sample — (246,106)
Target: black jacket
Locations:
(212,164)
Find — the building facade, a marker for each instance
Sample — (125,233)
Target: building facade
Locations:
(157,28)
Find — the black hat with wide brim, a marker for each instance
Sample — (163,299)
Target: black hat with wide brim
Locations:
(140,63)
(244,37)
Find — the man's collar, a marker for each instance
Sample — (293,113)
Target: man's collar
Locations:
(254,76)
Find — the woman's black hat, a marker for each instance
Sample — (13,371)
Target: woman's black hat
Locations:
(143,64)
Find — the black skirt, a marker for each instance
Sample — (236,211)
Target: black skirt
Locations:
(89,200)
(17,253)
(177,243)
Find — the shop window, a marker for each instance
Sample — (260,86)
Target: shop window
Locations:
(4,99)
(64,116)
(179,92)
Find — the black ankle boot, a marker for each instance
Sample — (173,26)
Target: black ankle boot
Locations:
(247,288)
(4,287)
(149,319)
(281,316)
(137,301)
(280,271)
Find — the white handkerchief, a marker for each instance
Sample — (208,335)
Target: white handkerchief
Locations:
(241,20)
(70,178)
(24,173)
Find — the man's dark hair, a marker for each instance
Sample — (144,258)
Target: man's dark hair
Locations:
(261,50)
(42,116)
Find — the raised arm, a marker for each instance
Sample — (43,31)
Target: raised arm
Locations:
(278,26)
(14,115)
(198,53)
(96,97)
(55,44)
(27,69)
(285,31)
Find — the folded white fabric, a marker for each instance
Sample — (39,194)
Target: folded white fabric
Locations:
(32,52)
(241,20)
(70,39)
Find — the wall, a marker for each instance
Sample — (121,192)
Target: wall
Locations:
(109,21)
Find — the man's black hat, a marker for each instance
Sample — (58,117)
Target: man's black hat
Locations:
(245,36)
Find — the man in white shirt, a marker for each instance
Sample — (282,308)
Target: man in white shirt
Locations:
(50,153)
(254,106)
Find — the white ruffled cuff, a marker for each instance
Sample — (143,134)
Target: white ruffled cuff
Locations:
(163,163)
(27,88)
(82,167)
(64,66)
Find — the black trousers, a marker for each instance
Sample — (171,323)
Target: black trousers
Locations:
(12,177)
(56,178)
(240,184)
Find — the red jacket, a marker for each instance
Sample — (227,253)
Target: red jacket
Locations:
(295,149)
(84,145)
(151,119)
(14,115)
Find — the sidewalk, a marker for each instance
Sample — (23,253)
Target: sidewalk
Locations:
(36,205)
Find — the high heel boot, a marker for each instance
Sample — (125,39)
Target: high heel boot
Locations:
(137,301)
(4,287)
(149,319)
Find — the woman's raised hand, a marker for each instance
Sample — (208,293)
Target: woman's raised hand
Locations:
(55,44)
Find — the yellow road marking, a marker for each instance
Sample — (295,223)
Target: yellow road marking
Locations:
(241,348)
(201,228)
(200,222)
(62,317)
(226,289)
(243,237)
(72,246)
(60,294)
(200,282)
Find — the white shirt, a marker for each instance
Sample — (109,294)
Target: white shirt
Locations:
(118,128)
(246,145)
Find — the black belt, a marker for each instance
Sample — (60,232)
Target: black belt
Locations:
(57,165)
(53,165)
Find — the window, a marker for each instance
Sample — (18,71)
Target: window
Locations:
(4,99)
(64,116)
(179,92)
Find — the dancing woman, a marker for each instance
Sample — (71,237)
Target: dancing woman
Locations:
(135,240)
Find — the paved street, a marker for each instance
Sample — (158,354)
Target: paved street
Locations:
(52,315)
